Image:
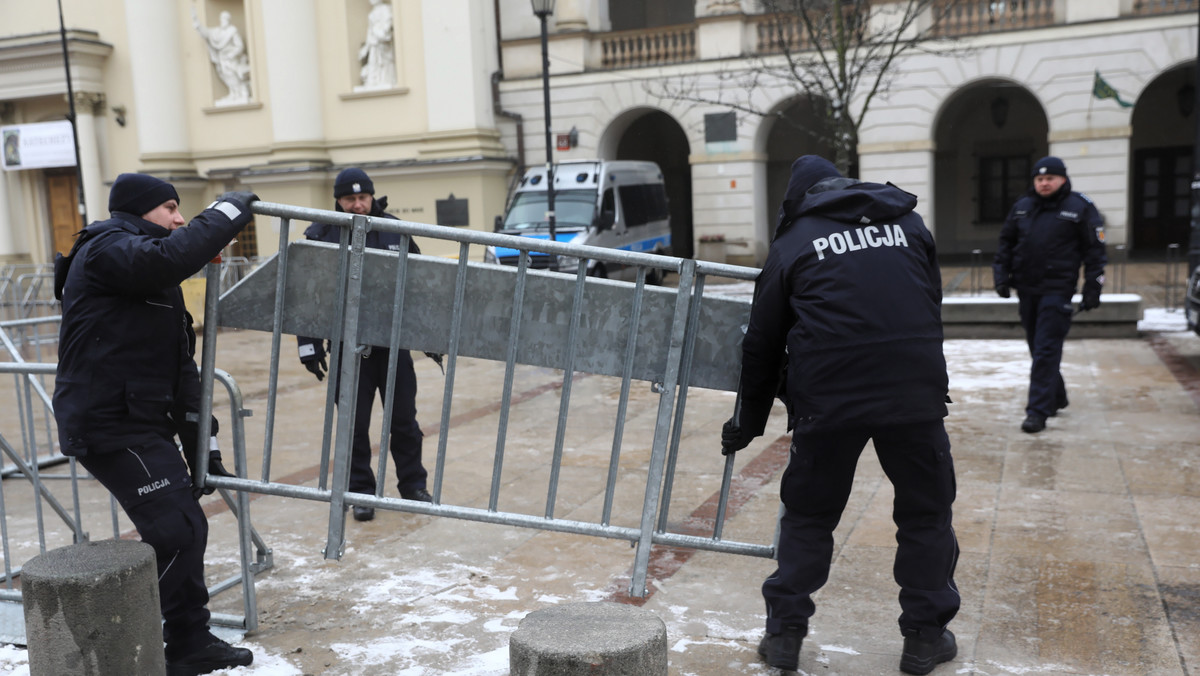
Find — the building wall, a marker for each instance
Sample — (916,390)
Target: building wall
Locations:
(431,135)
(901,139)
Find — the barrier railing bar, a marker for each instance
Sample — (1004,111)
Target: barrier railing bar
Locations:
(393,363)
(564,400)
(276,346)
(347,388)
(635,318)
(685,370)
(514,341)
(335,356)
(460,291)
(666,400)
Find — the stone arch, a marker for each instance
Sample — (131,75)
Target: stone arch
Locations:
(986,137)
(786,133)
(1160,156)
(647,133)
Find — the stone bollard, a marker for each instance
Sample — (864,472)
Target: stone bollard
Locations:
(589,639)
(92,609)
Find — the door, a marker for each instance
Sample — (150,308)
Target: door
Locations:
(1161,198)
(65,220)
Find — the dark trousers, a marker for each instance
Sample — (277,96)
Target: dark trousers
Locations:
(153,486)
(815,488)
(405,433)
(1046,320)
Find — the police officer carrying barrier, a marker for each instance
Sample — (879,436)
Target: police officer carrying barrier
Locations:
(1048,234)
(127,385)
(354,193)
(846,327)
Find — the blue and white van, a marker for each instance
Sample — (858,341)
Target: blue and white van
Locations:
(614,204)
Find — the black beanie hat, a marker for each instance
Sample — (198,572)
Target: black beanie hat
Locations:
(139,194)
(1050,165)
(352,181)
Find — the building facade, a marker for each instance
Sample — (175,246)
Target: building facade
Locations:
(274,96)
(964,118)
(441,102)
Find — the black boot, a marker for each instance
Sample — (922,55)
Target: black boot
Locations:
(1034,423)
(418,494)
(214,656)
(920,657)
(782,650)
(363,513)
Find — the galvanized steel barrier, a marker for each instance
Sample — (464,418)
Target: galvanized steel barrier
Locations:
(38,452)
(355,296)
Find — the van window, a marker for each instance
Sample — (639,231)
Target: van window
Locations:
(571,207)
(643,203)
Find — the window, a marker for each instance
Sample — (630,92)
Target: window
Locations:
(1002,180)
(643,204)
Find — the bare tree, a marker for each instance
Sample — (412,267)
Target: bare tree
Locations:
(838,54)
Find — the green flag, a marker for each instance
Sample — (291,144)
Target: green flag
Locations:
(1103,90)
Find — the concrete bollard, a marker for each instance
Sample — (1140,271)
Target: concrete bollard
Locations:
(92,609)
(589,639)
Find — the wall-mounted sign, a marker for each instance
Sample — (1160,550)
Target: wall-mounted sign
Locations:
(38,146)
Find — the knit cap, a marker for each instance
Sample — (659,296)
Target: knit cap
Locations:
(139,194)
(352,181)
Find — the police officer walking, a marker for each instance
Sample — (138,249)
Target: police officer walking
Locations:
(848,304)
(1048,234)
(127,385)
(354,193)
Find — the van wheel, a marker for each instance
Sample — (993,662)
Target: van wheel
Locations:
(598,270)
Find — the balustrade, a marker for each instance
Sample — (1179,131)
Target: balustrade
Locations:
(973,17)
(1145,7)
(648,47)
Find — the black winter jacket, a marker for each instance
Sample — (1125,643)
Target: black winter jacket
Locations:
(1044,241)
(852,289)
(126,375)
(314,348)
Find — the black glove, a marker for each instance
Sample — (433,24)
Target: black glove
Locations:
(733,438)
(437,359)
(1091,301)
(215,468)
(1003,290)
(242,198)
(316,366)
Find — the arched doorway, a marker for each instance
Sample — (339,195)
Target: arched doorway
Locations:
(987,137)
(651,135)
(796,127)
(1164,133)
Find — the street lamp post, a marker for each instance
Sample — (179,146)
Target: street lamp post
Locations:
(543,9)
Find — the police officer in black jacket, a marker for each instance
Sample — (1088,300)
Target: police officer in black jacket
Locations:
(848,303)
(355,194)
(127,385)
(1048,234)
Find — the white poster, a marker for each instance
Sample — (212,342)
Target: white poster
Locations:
(38,146)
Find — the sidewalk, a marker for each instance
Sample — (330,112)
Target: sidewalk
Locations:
(1080,546)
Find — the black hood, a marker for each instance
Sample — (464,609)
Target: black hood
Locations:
(857,202)
(807,171)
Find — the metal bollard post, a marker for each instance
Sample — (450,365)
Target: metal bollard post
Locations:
(92,609)
(976,272)
(1118,268)
(1172,272)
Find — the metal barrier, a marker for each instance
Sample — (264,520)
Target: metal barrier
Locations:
(979,272)
(28,520)
(351,295)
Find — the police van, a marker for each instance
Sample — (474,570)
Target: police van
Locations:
(614,204)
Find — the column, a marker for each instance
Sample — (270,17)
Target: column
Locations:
(95,198)
(7,230)
(156,64)
(570,15)
(290,29)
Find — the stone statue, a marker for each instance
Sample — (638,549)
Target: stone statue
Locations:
(228,54)
(378,57)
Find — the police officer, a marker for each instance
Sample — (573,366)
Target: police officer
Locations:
(1048,234)
(354,193)
(127,385)
(848,304)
